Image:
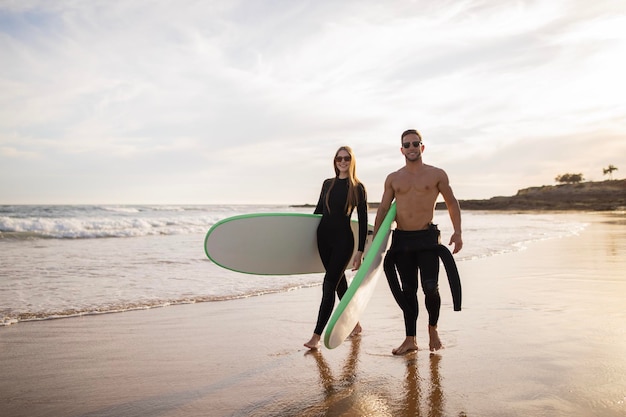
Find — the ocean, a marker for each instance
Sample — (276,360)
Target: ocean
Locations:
(62,261)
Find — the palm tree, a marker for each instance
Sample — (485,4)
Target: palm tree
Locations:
(609,170)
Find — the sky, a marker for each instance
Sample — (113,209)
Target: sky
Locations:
(246,102)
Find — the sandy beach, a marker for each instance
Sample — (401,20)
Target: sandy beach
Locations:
(542,333)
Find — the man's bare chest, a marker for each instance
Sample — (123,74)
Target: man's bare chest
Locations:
(415,186)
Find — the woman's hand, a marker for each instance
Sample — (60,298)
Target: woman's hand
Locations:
(358,258)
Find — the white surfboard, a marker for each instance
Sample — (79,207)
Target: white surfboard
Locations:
(360,291)
(268,243)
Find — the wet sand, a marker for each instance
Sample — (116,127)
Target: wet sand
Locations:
(542,333)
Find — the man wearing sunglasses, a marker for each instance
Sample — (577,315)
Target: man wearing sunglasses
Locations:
(416,240)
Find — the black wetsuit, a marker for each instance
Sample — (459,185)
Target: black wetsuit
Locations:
(335,242)
(411,251)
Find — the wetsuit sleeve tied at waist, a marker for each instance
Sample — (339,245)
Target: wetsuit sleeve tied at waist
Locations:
(448,262)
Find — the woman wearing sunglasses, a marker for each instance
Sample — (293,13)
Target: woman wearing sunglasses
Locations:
(335,242)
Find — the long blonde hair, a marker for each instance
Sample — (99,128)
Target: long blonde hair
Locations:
(353,193)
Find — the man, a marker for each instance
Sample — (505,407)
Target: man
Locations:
(415,187)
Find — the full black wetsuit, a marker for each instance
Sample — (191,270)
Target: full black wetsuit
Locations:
(335,242)
(411,251)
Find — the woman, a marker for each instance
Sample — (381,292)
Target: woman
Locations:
(335,242)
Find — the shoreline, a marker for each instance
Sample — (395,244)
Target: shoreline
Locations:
(527,342)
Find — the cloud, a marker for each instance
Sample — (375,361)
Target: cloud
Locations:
(249,100)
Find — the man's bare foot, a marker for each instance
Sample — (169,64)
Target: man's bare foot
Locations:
(357,330)
(409,345)
(314,343)
(435,342)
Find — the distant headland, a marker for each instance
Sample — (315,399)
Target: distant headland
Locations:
(607,195)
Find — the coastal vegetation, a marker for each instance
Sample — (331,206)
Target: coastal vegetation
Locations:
(609,170)
(590,196)
(569,178)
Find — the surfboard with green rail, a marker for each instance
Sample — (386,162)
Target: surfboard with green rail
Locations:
(360,291)
(268,243)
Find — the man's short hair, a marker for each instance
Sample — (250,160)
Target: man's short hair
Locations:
(410,131)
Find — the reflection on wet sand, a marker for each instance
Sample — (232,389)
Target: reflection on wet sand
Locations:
(346,395)
(435,402)
(343,396)
(353,395)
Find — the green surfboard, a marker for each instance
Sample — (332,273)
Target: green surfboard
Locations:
(354,301)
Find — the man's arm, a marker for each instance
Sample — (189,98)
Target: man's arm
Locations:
(454,210)
(385,204)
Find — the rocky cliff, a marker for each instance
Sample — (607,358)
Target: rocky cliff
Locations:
(596,196)
(592,196)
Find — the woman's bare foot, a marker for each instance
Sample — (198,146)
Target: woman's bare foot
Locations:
(357,330)
(409,345)
(435,342)
(314,343)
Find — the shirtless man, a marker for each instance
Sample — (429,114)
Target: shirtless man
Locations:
(415,187)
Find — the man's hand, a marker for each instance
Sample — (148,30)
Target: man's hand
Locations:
(358,257)
(457,240)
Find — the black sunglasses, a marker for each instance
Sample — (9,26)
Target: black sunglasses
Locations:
(416,144)
(345,158)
